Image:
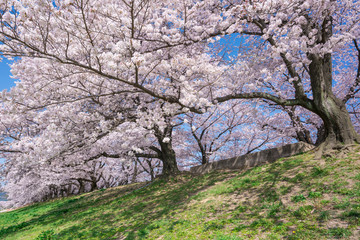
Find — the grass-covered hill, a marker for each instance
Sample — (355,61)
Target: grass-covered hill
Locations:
(293,198)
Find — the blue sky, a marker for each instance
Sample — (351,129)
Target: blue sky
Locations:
(5,81)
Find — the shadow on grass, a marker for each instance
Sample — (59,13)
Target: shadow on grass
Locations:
(101,215)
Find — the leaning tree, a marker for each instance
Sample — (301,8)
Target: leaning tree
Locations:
(294,52)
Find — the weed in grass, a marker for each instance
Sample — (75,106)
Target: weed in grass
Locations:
(291,163)
(270,195)
(314,194)
(338,232)
(330,159)
(303,211)
(319,172)
(214,225)
(158,224)
(240,227)
(221,189)
(298,178)
(142,233)
(343,205)
(273,236)
(4,231)
(245,183)
(238,211)
(47,235)
(130,236)
(323,216)
(285,190)
(357,177)
(227,237)
(274,210)
(298,198)
(261,223)
(325,202)
(353,216)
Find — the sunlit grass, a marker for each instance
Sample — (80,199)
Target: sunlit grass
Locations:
(294,198)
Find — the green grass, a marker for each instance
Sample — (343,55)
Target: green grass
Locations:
(293,198)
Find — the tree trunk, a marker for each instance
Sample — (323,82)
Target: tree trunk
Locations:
(81,186)
(134,176)
(204,158)
(338,128)
(168,159)
(93,183)
(167,154)
(151,170)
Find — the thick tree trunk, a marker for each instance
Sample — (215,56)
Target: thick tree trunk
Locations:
(167,154)
(168,158)
(320,135)
(338,128)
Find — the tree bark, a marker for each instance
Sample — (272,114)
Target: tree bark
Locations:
(93,183)
(338,127)
(168,159)
(81,186)
(204,158)
(134,176)
(166,153)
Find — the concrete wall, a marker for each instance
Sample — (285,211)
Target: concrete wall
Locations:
(254,159)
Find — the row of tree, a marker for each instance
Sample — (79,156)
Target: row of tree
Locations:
(111,92)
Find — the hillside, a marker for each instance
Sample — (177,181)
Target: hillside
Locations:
(293,198)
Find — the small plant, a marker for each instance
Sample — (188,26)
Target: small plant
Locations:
(339,232)
(46,235)
(270,195)
(303,211)
(143,233)
(314,194)
(343,205)
(352,215)
(274,209)
(298,198)
(357,177)
(318,172)
(213,225)
(324,216)
(226,237)
(298,178)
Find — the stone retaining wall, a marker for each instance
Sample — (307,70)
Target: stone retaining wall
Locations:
(254,159)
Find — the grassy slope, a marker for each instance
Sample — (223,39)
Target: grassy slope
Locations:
(294,198)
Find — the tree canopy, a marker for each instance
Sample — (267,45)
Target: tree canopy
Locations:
(111,88)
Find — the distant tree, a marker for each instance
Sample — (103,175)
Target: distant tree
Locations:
(228,130)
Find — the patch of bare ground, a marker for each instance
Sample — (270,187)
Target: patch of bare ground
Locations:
(286,198)
(355,234)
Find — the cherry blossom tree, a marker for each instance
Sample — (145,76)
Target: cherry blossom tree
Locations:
(95,77)
(149,46)
(210,134)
